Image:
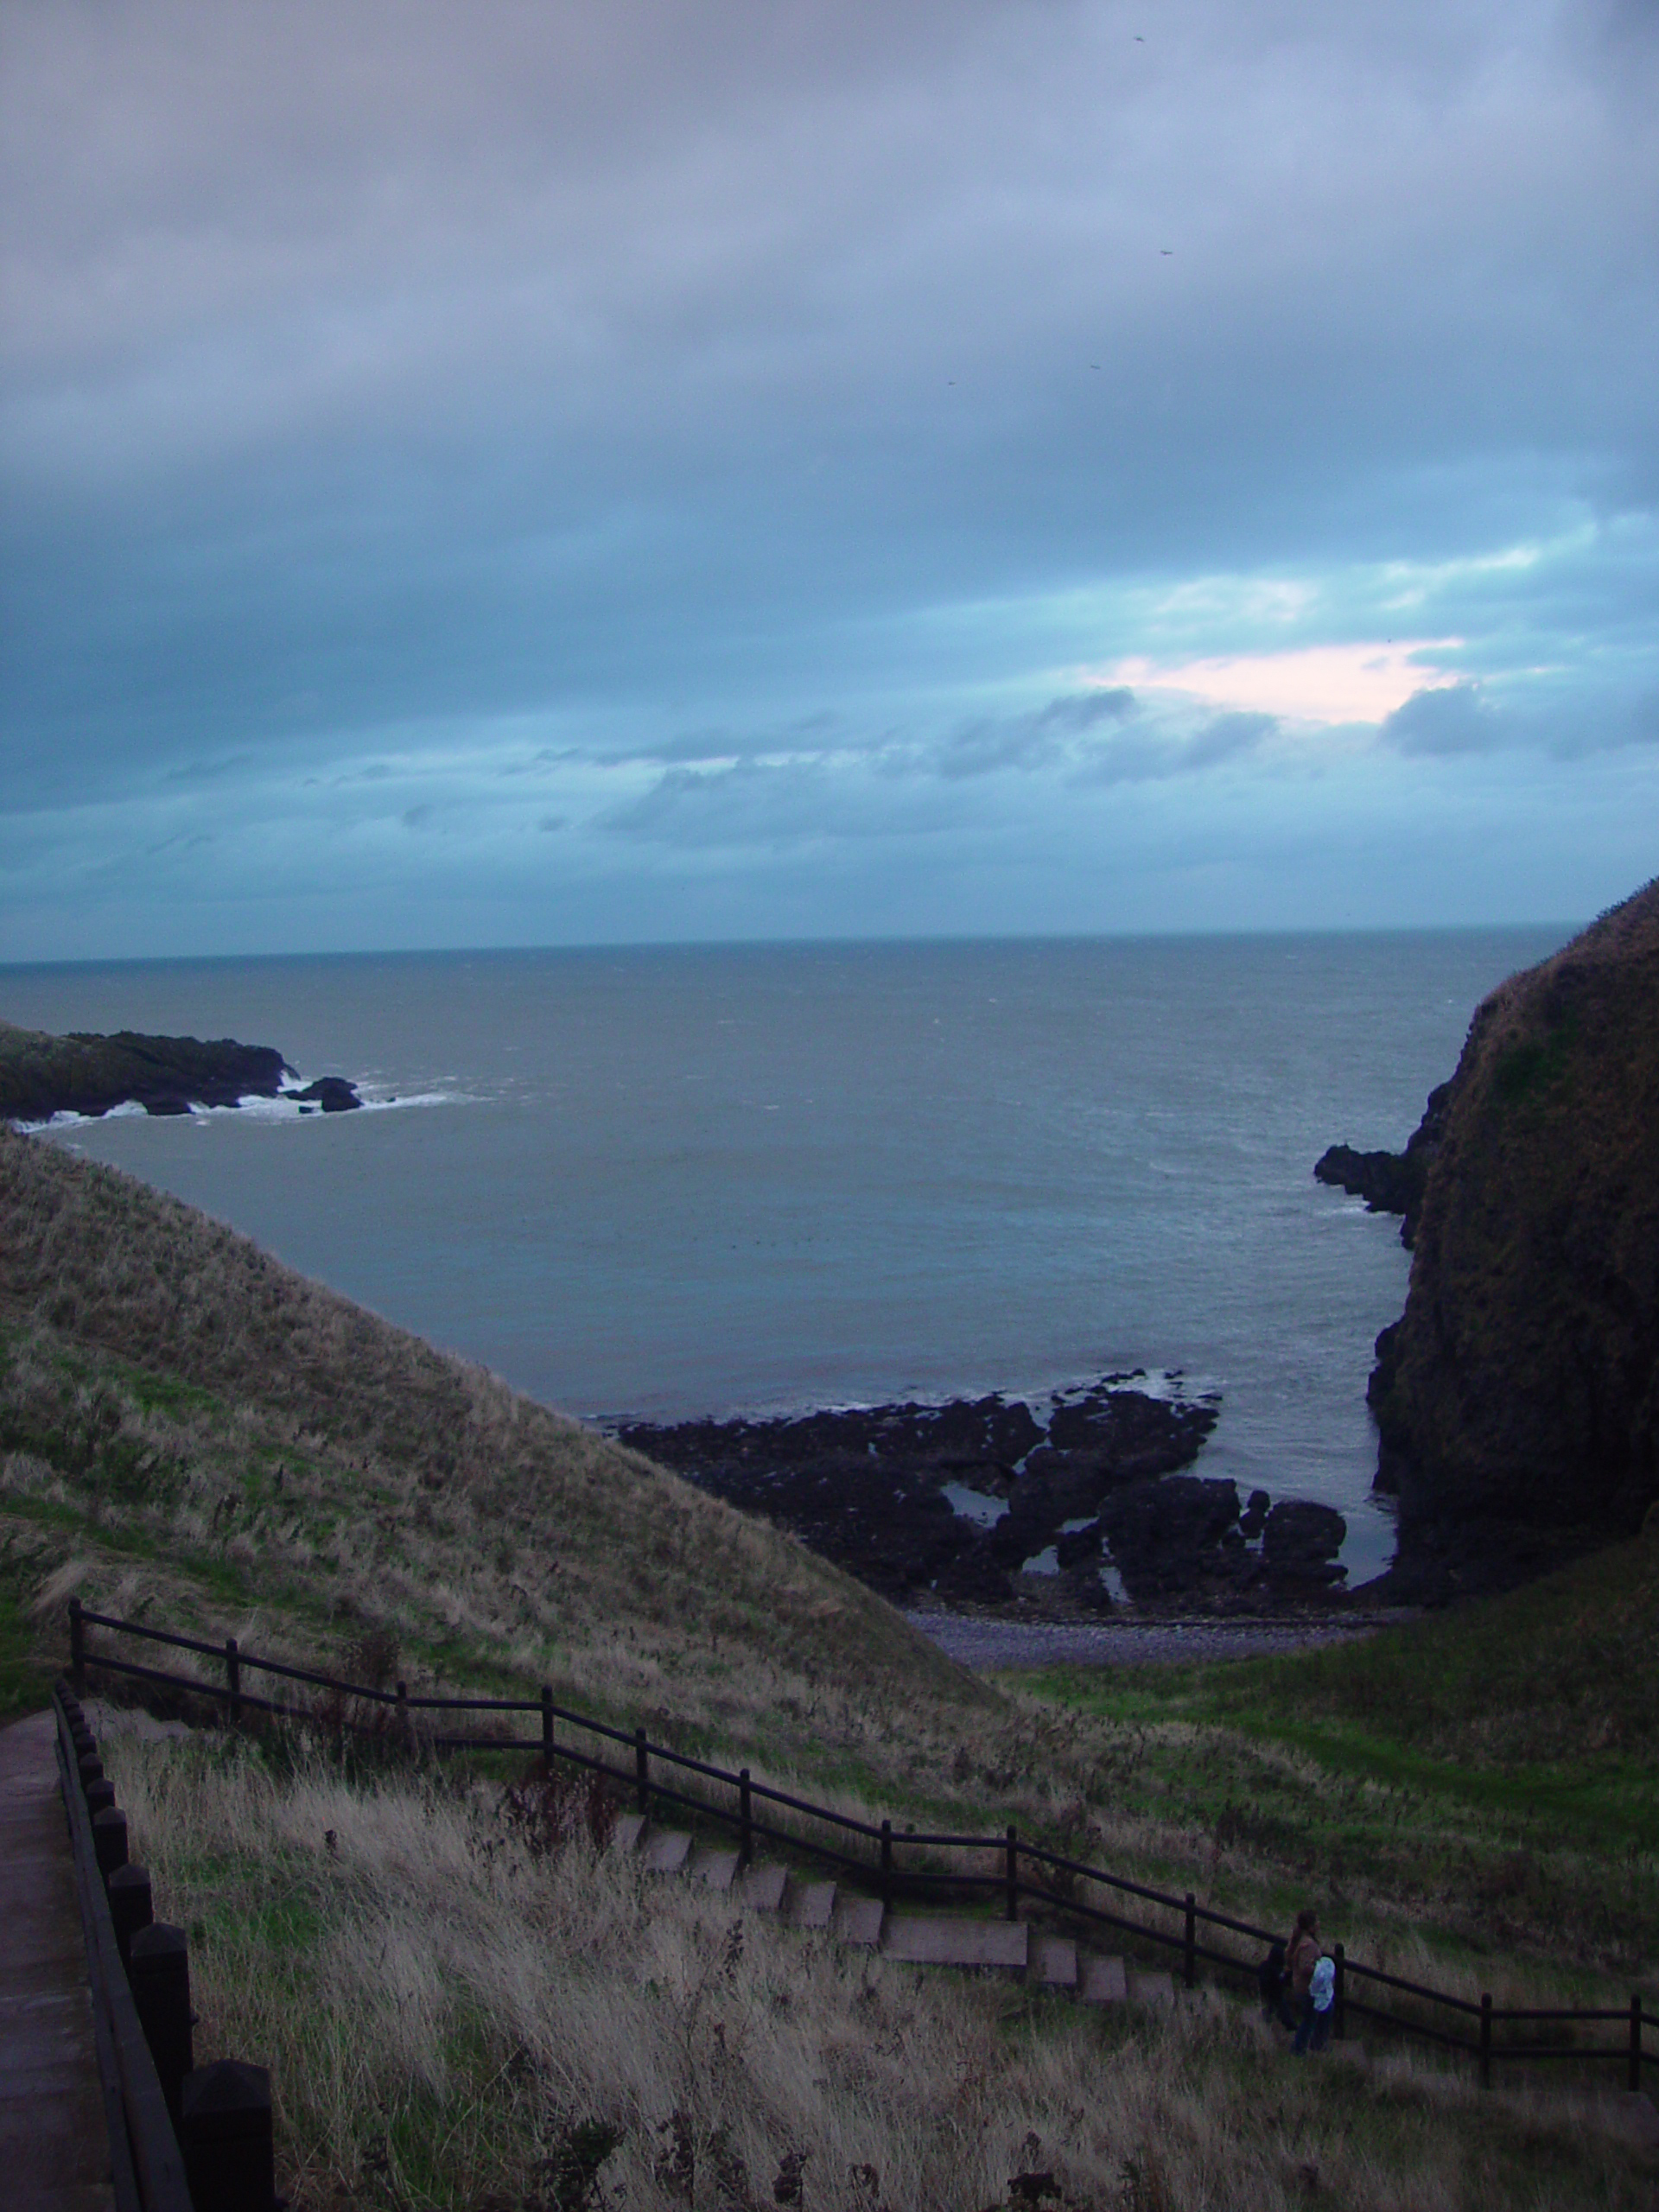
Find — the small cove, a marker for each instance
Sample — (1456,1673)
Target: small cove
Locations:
(670,1182)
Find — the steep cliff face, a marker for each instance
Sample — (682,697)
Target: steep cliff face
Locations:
(1517,1398)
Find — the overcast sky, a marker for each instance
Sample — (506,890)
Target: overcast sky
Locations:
(499,474)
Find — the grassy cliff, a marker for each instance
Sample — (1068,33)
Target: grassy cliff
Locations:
(1518,1397)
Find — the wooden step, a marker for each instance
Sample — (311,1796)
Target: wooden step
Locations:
(858,1921)
(668,1850)
(624,1836)
(761,1888)
(1054,1963)
(1002,1944)
(718,1869)
(811,1903)
(1150,1989)
(1104,1982)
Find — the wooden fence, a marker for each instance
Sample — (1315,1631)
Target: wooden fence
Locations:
(894,1863)
(181,2138)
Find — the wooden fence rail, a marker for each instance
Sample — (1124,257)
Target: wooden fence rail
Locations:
(1023,1871)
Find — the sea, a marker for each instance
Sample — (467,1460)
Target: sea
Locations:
(673,1181)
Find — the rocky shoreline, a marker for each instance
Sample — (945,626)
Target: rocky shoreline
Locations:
(42,1076)
(1061,1507)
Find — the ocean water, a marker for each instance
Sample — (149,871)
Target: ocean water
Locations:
(710,1180)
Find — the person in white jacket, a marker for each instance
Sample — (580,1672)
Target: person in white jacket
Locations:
(1314,2029)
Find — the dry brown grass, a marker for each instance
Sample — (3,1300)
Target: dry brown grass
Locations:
(446,2007)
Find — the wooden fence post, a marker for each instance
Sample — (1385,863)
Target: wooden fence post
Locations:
(1633,2080)
(1011,1878)
(1190,1943)
(110,1840)
(745,1820)
(1339,1998)
(233,1680)
(77,1648)
(225,2135)
(159,1969)
(402,1714)
(132,1906)
(1486,2039)
(886,1862)
(547,1727)
(642,1769)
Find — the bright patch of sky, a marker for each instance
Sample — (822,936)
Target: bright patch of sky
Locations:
(548,472)
(1360,682)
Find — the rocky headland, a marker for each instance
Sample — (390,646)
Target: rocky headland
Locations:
(1052,1508)
(1391,1182)
(1516,1399)
(41,1075)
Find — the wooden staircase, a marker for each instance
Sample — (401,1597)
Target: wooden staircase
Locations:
(1013,1947)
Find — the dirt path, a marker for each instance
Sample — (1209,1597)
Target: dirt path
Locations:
(54,2147)
(988,1643)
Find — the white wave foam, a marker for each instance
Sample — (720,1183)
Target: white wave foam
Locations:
(66,1121)
(286,1106)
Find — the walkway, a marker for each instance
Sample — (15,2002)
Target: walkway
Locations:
(54,2148)
(991,1642)
(1014,1948)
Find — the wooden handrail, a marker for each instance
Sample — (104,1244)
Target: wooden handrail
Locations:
(1009,1850)
(148,2164)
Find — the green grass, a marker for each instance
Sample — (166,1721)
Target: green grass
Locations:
(25,1679)
(1496,1761)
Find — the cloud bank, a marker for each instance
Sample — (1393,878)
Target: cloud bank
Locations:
(487,475)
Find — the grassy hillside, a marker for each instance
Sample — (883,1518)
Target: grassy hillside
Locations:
(468,2012)
(187,1423)
(190,1431)
(1499,1759)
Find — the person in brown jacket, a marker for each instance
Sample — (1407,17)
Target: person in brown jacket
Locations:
(1302,1956)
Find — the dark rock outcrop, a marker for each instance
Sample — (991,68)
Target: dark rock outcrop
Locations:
(1517,1398)
(867,1487)
(1170,1538)
(1391,1182)
(1090,1476)
(1299,1543)
(332,1092)
(42,1075)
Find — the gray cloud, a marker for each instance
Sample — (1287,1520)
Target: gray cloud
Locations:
(1031,741)
(712,386)
(1152,754)
(1454,718)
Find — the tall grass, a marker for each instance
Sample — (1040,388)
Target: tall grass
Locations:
(463,2009)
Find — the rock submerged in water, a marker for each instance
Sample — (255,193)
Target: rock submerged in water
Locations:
(42,1075)
(331,1092)
(952,1504)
